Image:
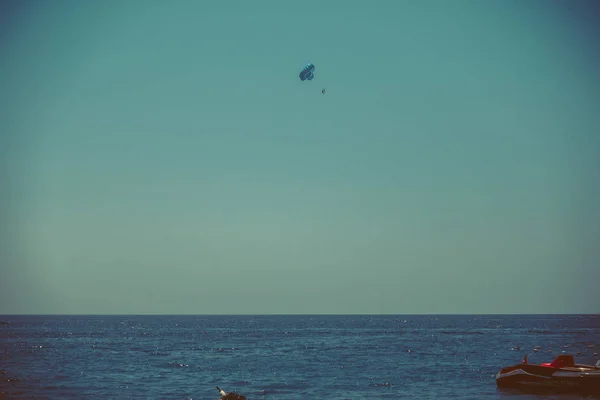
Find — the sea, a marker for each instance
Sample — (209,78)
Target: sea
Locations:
(282,357)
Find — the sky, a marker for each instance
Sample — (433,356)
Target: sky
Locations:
(165,158)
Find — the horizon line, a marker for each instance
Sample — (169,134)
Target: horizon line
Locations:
(297,314)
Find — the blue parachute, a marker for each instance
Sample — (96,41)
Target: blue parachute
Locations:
(307,73)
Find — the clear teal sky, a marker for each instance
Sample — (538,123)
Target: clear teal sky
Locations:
(164,157)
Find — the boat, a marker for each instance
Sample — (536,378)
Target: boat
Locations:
(562,373)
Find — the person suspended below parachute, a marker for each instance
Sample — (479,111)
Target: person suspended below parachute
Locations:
(307,73)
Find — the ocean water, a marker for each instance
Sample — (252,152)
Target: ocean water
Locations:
(281,357)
